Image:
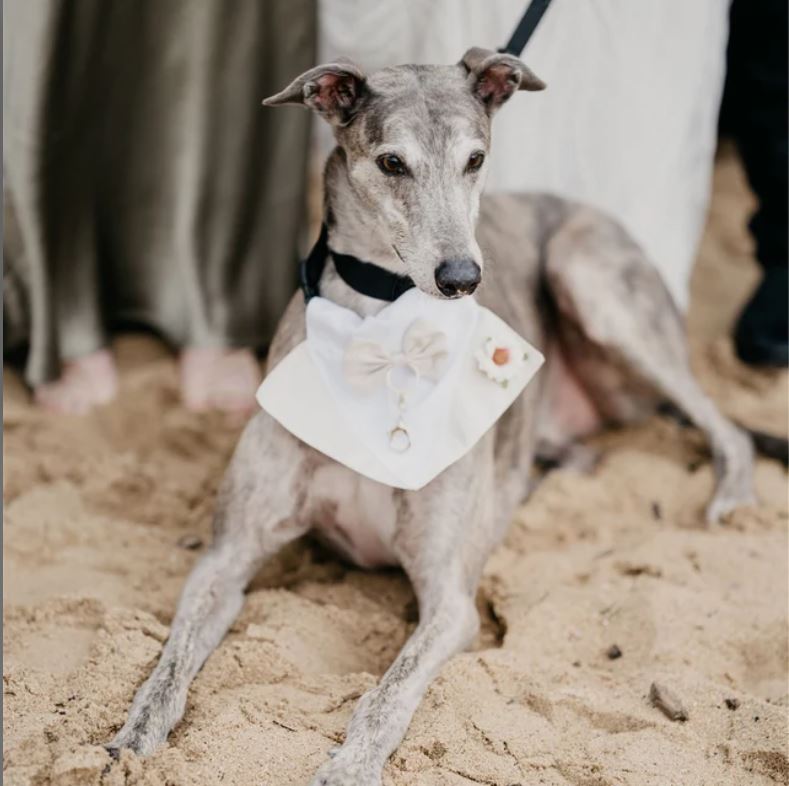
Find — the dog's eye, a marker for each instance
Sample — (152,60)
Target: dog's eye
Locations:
(391,164)
(475,161)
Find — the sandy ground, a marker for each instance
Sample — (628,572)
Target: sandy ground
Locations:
(101,511)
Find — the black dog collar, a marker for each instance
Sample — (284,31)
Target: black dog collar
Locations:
(364,277)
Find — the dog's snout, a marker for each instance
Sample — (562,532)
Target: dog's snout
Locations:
(456,277)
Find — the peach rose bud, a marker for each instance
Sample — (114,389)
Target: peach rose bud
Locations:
(501,356)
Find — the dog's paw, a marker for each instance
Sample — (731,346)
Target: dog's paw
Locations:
(143,742)
(113,750)
(343,771)
(726,502)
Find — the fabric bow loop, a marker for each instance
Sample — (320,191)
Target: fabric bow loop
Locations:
(367,365)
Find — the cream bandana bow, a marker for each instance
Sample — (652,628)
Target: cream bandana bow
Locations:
(368,365)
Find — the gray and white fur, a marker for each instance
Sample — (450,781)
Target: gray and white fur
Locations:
(404,190)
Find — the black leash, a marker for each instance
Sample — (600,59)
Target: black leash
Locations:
(365,277)
(526,27)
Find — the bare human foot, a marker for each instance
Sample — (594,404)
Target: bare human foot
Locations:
(85,383)
(224,379)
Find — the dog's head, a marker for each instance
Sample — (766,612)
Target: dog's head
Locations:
(415,141)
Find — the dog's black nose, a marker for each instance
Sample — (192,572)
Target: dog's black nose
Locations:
(455,277)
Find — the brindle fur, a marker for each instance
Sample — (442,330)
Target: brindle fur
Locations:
(566,277)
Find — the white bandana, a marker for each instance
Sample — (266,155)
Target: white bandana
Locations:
(399,396)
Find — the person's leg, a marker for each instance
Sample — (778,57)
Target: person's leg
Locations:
(51,84)
(202,188)
(755,113)
(250,198)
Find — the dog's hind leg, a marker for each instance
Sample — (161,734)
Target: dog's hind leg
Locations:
(253,520)
(625,340)
(445,533)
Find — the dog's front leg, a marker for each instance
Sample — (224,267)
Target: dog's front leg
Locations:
(382,715)
(254,519)
(443,546)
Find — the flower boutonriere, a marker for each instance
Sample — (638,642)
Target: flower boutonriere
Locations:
(499,360)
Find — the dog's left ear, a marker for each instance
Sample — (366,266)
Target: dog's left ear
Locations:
(335,91)
(495,76)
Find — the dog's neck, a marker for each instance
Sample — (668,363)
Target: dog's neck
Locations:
(352,230)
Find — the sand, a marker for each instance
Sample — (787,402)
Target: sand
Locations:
(101,511)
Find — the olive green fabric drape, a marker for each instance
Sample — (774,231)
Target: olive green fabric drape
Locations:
(143,180)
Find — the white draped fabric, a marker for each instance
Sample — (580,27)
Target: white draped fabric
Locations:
(628,122)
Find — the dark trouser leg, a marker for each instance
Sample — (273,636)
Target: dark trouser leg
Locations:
(754,112)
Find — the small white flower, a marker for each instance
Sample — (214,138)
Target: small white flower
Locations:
(499,360)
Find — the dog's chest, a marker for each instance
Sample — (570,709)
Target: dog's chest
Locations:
(355,515)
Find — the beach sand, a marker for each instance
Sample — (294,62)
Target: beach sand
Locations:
(106,514)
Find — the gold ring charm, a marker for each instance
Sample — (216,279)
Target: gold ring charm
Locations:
(399,440)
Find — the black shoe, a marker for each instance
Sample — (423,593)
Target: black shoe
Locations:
(762,333)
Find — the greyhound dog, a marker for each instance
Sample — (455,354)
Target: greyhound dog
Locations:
(403,191)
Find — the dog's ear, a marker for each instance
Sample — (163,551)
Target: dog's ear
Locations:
(495,76)
(335,91)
